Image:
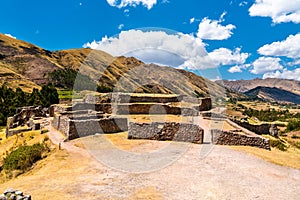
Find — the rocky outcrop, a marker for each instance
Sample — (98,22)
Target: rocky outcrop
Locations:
(11,194)
(170,131)
(230,138)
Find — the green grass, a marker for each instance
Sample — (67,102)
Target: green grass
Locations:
(278,144)
(68,94)
(24,157)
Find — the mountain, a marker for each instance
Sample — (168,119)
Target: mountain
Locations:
(245,85)
(273,94)
(27,66)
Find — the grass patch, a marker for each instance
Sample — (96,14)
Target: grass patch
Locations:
(278,144)
(24,157)
(68,94)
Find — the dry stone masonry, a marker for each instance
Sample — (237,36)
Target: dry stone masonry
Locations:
(108,113)
(11,194)
(171,131)
(26,118)
(230,138)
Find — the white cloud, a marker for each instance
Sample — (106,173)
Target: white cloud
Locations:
(290,47)
(285,74)
(223,56)
(238,68)
(279,10)
(235,69)
(243,3)
(121,26)
(143,44)
(266,64)
(213,30)
(9,35)
(124,3)
(192,20)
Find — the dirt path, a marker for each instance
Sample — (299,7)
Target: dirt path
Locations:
(222,174)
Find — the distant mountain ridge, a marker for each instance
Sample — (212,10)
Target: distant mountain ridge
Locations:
(273,94)
(246,85)
(27,66)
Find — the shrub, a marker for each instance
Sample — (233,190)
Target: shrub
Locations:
(23,157)
(278,144)
(293,125)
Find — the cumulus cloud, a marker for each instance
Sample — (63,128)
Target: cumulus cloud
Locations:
(279,10)
(9,35)
(124,3)
(235,69)
(290,47)
(213,30)
(266,64)
(224,56)
(284,74)
(140,44)
(238,68)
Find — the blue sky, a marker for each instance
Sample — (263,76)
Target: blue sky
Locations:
(244,39)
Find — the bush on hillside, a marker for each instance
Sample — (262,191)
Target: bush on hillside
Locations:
(293,125)
(23,157)
(278,144)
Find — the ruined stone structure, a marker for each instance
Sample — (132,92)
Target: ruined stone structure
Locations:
(166,131)
(27,118)
(102,114)
(258,129)
(80,124)
(230,138)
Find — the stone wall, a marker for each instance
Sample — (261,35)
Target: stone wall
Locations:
(23,114)
(104,107)
(258,129)
(81,128)
(22,117)
(74,126)
(204,104)
(153,108)
(14,194)
(230,138)
(166,131)
(131,98)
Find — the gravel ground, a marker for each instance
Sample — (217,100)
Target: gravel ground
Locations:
(223,173)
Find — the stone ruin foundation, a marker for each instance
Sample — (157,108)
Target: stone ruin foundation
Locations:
(108,113)
(170,131)
(230,138)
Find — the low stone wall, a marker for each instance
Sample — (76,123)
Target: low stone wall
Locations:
(11,132)
(166,131)
(229,138)
(258,129)
(104,107)
(153,108)
(204,104)
(81,128)
(131,98)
